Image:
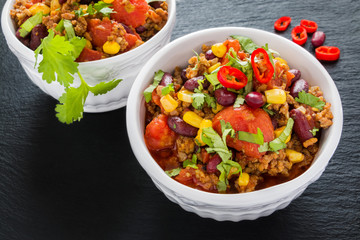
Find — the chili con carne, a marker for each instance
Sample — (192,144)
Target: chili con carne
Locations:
(310,26)
(282,23)
(231,77)
(327,53)
(299,35)
(265,76)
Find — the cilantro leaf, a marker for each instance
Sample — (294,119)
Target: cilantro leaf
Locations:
(198,100)
(265,108)
(212,78)
(90,10)
(173,172)
(257,138)
(78,45)
(104,87)
(57,58)
(103,8)
(198,61)
(314,131)
(246,43)
(30,23)
(191,162)
(311,100)
(148,91)
(167,89)
(279,142)
(60,26)
(239,101)
(69,29)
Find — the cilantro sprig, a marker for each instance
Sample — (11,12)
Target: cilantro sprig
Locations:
(58,64)
(99,7)
(148,91)
(310,100)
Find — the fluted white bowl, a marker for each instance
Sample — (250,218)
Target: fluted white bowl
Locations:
(125,66)
(241,206)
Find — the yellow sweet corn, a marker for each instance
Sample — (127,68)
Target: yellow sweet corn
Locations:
(111,47)
(217,109)
(278,131)
(294,156)
(213,67)
(185,95)
(108,1)
(244,179)
(39,7)
(282,61)
(192,118)
(84,7)
(205,123)
(55,5)
(218,49)
(88,44)
(169,103)
(275,96)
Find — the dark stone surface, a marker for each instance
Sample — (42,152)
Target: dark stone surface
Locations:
(83,181)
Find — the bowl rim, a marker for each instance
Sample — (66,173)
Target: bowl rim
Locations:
(263,196)
(7,28)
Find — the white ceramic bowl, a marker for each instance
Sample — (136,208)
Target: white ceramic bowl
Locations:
(125,66)
(234,207)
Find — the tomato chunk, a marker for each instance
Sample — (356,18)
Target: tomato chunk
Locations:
(88,54)
(186,176)
(131,12)
(158,135)
(245,119)
(131,39)
(99,30)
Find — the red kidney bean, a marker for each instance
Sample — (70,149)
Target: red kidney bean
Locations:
(183,75)
(297,74)
(24,40)
(178,125)
(37,33)
(192,83)
(318,39)
(156,4)
(212,164)
(225,97)
(301,125)
(62,1)
(209,55)
(274,122)
(254,99)
(298,86)
(140,29)
(127,28)
(166,79)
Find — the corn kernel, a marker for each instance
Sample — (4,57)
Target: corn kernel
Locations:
(84,7)
(168,103)
(39,7)
(111,47)
(129,8)
(244,179)
(54,5)
(275,96)
(282,61)
(205,123)
(218,49)
(278,131)
(185,96)
(213,67)
(108,1)
(294,156)
(192,118)
(217,109)
(88,44)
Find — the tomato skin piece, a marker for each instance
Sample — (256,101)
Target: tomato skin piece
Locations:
(99,31)
(299,35)
(131,39)
(88,54)
(133,14)
(158,135)
(282,23)
(327,53)
(245,119)
(310,26)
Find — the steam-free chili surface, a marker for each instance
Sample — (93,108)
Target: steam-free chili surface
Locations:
(233,140)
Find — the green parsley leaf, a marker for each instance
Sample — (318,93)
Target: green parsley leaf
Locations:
(314,131)
(246,43)
(257,138)
(311,100)
(167,89)
(30,23)
(191,162)
(148,91)
(173,172)
(239,101)
(57,58)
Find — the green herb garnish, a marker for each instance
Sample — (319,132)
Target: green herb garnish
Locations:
(246,43)
(257,138)
(279,142)
(30,23)
(167,89)
(310,100)
(173,172)
(191,162)
(314,131)
(148,91)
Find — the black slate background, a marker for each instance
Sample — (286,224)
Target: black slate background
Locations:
(83,182)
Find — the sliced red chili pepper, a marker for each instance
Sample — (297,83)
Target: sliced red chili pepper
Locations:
(231,77)
(327,53)
(282,23)
(262,63)
(299,35)
(310,26)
